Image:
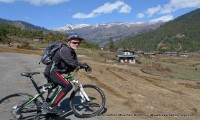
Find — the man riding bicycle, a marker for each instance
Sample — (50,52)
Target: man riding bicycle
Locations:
(64,61)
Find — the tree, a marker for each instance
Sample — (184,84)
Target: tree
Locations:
(3,33)
(111,44)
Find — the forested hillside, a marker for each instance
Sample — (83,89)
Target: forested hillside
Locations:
(11,34)
(180,34)
(21,24)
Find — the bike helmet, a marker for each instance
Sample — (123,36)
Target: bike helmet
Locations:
(74,36)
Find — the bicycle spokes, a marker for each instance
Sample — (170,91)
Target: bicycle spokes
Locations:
(84,108)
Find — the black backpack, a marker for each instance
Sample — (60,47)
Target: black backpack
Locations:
(49,52)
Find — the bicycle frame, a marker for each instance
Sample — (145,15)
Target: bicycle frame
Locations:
(82,93)
(84,96)
(35,98)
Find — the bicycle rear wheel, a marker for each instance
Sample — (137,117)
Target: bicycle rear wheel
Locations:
(83,108)
(9,107)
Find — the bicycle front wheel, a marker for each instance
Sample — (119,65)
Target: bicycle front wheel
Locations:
(10,107)
(83,108)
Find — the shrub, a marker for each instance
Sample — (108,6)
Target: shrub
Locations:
(23,45)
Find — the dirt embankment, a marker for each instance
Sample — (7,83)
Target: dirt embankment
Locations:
(130,91)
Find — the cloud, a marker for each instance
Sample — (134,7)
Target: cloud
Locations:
(120,6)
(163,18)
(37,2)
(153,10)
(7,1)
(179,4)
(140,15)
(49,2)
(170,7)
(125,9)
(83,15)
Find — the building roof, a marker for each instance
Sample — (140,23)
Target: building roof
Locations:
(126,56)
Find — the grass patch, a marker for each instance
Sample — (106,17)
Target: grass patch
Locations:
(16,50)
(175,67)
(84,51)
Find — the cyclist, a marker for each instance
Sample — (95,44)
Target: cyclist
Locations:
(64,61)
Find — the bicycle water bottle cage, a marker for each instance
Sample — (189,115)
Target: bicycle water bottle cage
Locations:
(29,74)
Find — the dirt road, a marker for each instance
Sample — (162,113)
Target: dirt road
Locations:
(130,93)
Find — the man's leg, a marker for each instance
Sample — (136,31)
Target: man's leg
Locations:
(66,87)
(47,76)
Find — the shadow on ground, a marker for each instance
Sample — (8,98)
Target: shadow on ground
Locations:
(68,115)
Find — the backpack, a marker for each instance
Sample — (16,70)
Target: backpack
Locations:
(49,52)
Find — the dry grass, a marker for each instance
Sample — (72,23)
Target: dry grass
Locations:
(173,66)
(4,48)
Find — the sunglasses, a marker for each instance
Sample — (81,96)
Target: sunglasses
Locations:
(77,43)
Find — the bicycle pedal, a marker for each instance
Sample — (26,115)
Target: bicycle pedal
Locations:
(45,105)
(15,113)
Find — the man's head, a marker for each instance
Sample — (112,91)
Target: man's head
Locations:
(74,41)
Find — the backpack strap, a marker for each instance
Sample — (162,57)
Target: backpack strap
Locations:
(59,50)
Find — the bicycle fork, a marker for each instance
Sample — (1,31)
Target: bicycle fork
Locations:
(84,96)
(82,93)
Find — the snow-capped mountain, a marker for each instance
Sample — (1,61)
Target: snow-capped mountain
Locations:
(70,27)
(102,33)
(106,25)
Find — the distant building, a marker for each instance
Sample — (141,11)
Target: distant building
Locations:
(127,57)
(149,55)
(38,39)
(174,54)
(171,53)
(183,54)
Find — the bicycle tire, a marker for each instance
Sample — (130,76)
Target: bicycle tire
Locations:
(8,103)
(83,109)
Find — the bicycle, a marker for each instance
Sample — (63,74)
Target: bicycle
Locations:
(85,100)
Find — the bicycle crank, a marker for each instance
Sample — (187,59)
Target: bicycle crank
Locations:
(15,112)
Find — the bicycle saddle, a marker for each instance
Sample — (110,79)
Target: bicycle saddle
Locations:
(29,74)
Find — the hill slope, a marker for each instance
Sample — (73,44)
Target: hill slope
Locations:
(21,24)
(180,34)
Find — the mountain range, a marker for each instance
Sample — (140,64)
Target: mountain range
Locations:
(180,34)
(22,24)
(96,33)
(102,33)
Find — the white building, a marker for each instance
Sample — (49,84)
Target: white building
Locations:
(127,57)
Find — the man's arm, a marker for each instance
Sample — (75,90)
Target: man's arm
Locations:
(69,57)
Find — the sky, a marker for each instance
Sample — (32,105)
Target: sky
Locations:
(57,13)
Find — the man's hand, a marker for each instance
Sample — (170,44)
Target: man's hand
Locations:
(86,67)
